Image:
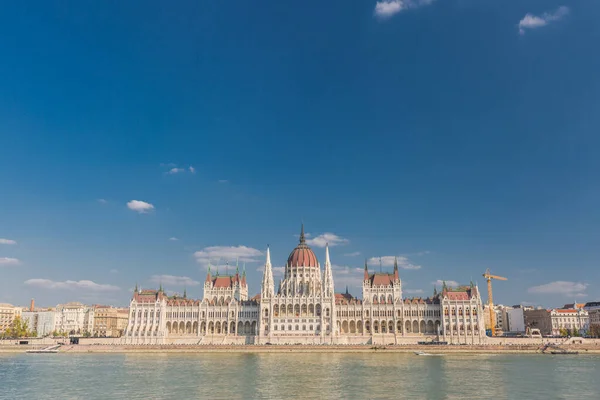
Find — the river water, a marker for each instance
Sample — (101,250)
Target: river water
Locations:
(178,376)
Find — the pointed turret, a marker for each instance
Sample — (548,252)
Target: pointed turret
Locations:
(366,271)
(244,275)
(396,276)
(268,286)
(327,274)
(208,277)
(185,293)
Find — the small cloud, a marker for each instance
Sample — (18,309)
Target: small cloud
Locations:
(347,276)
(422,253)
(8,241)
(9,261)
(327,238)
(531,21)
(172,280)
(174,171)
(114,271)
(414,291)
(388,261)
(173,239)
(565,288)
(354,254)
(227,253)
(440,283)
(102,201)
(387,8)
(192,169)
(140,206)
(71,285)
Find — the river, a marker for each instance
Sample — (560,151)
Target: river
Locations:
(177,376)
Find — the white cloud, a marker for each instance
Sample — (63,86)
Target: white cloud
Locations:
(9,261)
(174,280)
(347,276)
(192,169)
(387,8)
(414,291)
(102,201)
(8,241)
(440,283)
(354,254)
(140,206)
(531,21)
(173,239)
(388,261)
(565,288)
(71,285)
(175,170)
(227,253)
(325,238)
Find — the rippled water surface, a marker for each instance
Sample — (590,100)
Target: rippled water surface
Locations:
(297,375)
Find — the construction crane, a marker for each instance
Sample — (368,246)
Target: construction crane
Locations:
(488,276)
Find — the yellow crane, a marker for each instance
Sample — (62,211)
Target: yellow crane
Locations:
(488,276)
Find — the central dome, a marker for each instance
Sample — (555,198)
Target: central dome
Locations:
(302,255)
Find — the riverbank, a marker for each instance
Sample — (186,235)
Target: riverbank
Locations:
(463,349)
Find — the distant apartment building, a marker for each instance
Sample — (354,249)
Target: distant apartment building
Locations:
(515,317)
(574,319)
(594,316)
(74,318)
(110,321)
(42,322)
(8,312)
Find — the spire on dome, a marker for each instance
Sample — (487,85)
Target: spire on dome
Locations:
(347,289)
(136,288)
(302,238)
(160,288)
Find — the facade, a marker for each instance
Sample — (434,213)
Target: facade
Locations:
(516,319)
(572,319)
(42,322)
(304,309)
(109,321)
(74,318)
(8,312)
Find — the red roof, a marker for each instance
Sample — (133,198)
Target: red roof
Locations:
(381,279)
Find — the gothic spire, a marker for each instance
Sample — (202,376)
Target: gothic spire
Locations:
(184,292)
(302,238)
(396,275)
(366,271)
(268,286)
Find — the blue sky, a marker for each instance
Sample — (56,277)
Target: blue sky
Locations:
(458,135)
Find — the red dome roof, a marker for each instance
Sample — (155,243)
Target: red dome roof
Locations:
(302,255)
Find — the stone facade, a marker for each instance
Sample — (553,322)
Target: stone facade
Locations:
(304,310)
(8,312)
(74,318)
(110,321)
(42,322)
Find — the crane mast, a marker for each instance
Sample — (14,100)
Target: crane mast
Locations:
(488,276)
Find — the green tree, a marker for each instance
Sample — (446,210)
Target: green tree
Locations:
(563,332)
(17,329)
